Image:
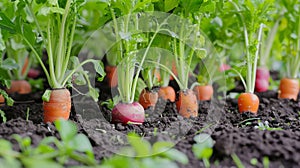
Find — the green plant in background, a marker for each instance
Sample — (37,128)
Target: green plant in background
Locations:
(202,149)
(265,126)
(55,23)
(141,153)
(50,152)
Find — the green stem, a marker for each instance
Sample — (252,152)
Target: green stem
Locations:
(65,65)
(249,65)
(140,66)
(269,43)
(38,58)
(53,82)
(167,70)
(73,71)
(297,59)
(61,47)
(256,58)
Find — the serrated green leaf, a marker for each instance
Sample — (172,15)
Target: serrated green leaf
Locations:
(170,4)
(38,163)
(93,93)
(161,146)
(174,154)
(9,64)
(6,23)
(98,65)
(67,129)
(141,147)
(81,143)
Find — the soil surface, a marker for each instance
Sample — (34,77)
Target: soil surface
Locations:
(273,133)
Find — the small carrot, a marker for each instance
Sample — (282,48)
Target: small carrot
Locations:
(167,93)
(288,88)
(203,92)
(174,70)
(248,102)
(148,98)
(59,105)
(19,86)
(2,100)
(25,66)
(111,75)
(186,103)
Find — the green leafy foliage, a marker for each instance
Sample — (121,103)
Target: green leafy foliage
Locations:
(202,149)
(50,152)
(9,101)
(141,153)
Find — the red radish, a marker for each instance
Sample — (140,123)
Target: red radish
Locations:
(186,104)
(204,92)
(59,105)
(261,85)
(224,67)
(126,113)
(19,86)
(167,93)
(148,98)
(288,88)
(262,79)
(262,73)
(33,73)
(248,102)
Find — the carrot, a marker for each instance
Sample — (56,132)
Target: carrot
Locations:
(111,75)
(19,86)
(24,68)
(59,105)
(204,92)
(174,70)
(148,98)
(186,104)
(167,93)
(248,102)
(2,100)
(157,75)
(288,88)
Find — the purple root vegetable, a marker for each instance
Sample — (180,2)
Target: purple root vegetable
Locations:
(262,79)
(33,73)
(128,113)
(224,67)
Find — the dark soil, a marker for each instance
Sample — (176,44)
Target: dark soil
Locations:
(233,133)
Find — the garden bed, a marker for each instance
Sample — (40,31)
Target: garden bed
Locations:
(271,136)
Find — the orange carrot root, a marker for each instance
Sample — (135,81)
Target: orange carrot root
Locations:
(2,100)
(167,93)
(111,75)
(288,88)
(204,92)
(19,86)
(186,104)
(248,102)
(148,98)
(59,105)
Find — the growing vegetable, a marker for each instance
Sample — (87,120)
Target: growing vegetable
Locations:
(55,23)
(262,72)
(249,102)
(188,33)
(149,95)
(16,52)
(166,92)
(128,38)
(290,48)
